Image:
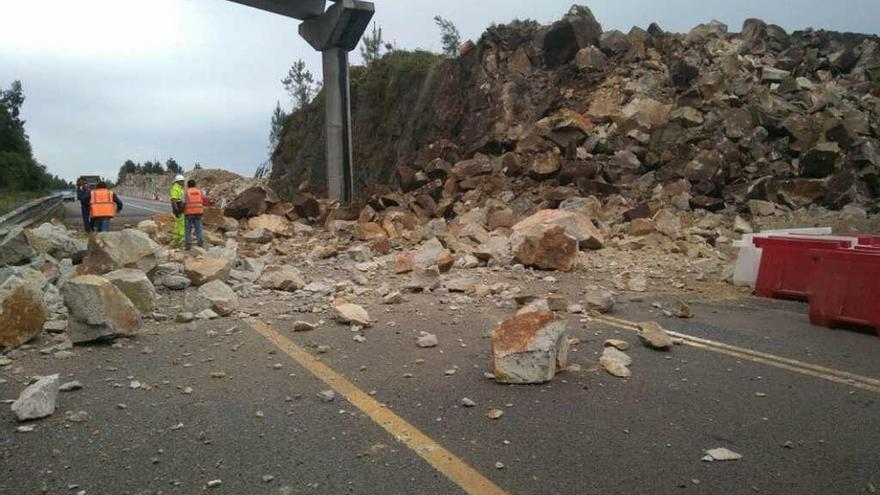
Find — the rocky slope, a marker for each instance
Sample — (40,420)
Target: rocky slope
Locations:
(708,119)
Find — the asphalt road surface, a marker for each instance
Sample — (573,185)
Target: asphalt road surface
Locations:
(133,211)
(261,428)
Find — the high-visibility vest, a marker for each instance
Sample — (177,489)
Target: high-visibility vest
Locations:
(195,202)
(101,204)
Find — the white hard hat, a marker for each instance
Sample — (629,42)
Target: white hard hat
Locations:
(179,178)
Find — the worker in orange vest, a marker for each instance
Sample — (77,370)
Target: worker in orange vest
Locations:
(193,209)
(103,206)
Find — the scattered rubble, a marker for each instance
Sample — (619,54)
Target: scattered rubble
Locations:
(721,454)
(654,336)
(38,399)
(615,362)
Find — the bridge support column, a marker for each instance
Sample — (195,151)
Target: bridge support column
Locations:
(337,115)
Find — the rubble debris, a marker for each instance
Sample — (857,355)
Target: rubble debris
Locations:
(599,299)
(303,326)
(684,310)
(351,313)
(721,454)
(620,345)
(38,399)
(98,310)
(530,348)
(494,413)
(615,362)
(427,340)
(654,336)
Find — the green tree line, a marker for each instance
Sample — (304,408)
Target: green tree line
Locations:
(151,168)
(19,171)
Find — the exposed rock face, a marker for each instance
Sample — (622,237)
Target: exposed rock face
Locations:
(282,277)
(641,110)
(37,400)
(136,286)
(22,309)
(128,248)
(200,271)
(214,295)
(98,310)
(56,242)
(530,348)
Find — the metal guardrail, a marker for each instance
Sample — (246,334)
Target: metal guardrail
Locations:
(29,213)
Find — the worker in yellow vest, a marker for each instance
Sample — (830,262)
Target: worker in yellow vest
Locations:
(176,195)
(103,206)
(193,209)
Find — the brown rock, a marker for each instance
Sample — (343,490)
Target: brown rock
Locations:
(545,166)
(553,249)
(22,311)
(403,263)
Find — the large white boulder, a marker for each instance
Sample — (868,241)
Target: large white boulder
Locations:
(57,242)
(98,310)
(128,248)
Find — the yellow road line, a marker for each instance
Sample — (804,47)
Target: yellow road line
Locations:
(436,455)
(825,373)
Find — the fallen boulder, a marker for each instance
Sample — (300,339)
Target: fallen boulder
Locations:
(128,248)
(251,202)
(15,249)
(38,399)
(553,249)
(23,311)
(530,348)
(200,271)
(56,242)
(215,295)
(577,225)
(136,286)
(98,310)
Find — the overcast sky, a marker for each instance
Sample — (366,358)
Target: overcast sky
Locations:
(108,80)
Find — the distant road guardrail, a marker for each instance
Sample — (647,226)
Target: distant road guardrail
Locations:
(29,213)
